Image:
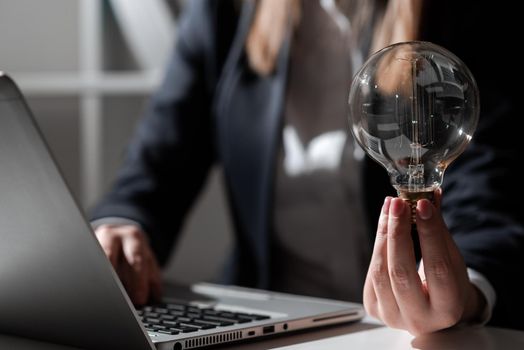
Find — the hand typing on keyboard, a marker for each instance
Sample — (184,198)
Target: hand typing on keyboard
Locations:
(127,248)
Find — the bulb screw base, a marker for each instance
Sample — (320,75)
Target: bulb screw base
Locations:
(413,197)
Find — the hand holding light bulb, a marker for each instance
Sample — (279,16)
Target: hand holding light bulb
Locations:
(413,108)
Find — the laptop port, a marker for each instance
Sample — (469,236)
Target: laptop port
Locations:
(268,329)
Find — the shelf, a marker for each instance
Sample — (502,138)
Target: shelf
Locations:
(75,83)
(108,49)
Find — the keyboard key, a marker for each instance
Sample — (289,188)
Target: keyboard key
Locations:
(167,317)
(152,320)
(158,327)
(213,323)
(180,317)
(161,310)
(188,329)
(198,325)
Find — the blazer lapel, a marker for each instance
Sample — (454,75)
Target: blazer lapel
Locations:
(248,119)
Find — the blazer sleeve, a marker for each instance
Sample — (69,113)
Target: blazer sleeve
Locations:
(479,192)
(172,150)
(482,191)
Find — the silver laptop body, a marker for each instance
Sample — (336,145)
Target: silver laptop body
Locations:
(57,285)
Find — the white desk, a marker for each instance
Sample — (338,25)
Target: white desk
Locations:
(365,335)
(370,335)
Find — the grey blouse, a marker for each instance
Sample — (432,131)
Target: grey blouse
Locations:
(320,244)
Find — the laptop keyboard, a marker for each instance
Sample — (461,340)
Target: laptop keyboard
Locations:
(174,318)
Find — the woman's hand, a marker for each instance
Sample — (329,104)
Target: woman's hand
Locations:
(438,295)
(128,250)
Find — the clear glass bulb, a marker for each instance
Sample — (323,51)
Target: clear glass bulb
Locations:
(413,107)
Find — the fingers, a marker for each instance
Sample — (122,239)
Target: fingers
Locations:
(370,298)
(441,271)
(111,244)
(433,245)
(378,295)
(134,249)
(405,280)
(437,198)
(155,279)
(394,291)
(128,250)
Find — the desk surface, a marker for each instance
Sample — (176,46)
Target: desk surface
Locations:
(365,335)
(370,335)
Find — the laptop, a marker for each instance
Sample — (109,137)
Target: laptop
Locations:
(57,285)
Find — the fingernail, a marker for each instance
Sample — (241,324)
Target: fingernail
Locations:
(385,206)
(424,209)
(136,261)
(397,207)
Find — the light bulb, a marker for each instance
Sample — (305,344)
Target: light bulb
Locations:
(413,108)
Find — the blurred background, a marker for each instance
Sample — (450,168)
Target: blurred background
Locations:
(87,68)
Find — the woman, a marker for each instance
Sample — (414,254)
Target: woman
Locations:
(262,89)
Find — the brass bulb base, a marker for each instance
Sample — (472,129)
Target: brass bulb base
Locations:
(412,199)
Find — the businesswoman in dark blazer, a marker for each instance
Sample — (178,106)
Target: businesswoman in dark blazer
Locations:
(261,87)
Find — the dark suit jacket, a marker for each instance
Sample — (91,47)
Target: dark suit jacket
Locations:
(212,108)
